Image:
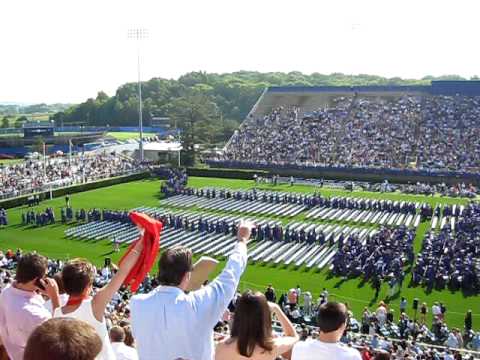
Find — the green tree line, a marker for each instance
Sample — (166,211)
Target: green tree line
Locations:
(206,107)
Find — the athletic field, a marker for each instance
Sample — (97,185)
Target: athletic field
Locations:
(50,241)
(128,135)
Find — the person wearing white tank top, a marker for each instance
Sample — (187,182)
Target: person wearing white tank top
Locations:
(85,313)
(78,276)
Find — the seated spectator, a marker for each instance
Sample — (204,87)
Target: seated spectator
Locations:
(251,334)
(180,325)
(270,294)
(332,322)
(122,351)
(62,339)
(78,276)
(22,307)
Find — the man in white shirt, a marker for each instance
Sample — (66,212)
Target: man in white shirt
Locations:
(171,324)
(122,351)
(22,308)
(332,321)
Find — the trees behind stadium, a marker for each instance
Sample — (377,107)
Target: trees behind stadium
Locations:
(233,95)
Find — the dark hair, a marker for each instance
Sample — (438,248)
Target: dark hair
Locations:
(63,338)
(382,355)
(117,334)
(173,265)
(331,316)
(252,323)
(30,267)
(58,279)
(129,340)
(77,275)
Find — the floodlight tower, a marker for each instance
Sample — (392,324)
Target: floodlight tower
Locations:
(139,34)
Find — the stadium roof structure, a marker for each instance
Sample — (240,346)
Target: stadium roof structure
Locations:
(166,146)
(441,87)
(312,97)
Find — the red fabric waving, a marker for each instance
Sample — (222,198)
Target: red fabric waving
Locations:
(151,246)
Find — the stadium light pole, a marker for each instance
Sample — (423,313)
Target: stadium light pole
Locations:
(139,34)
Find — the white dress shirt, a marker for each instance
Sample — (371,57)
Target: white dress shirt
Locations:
(124,352)
(318,350)
(20,313)
(169,324)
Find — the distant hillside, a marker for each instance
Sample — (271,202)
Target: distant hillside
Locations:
(10,108)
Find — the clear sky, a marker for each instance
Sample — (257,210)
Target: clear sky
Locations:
(66,51)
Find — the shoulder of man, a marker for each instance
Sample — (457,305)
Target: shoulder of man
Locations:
(305,347)
(351,353)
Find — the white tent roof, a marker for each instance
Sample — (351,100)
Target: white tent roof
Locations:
(162,146)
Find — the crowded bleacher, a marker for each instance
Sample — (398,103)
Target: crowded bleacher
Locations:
(70,309)
(300,321)
(42,175)
(399,131)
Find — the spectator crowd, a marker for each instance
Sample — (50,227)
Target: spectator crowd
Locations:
(51,309)
(437,133)
(39,175)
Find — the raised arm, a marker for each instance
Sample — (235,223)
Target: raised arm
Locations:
(105,294)
(212,300)
(286,342)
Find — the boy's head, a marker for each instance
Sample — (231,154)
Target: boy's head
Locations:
(78,276)
(63,338)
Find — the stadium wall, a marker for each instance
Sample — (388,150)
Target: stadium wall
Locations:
(440,87)
(369,175)
(22,200)
(226,173)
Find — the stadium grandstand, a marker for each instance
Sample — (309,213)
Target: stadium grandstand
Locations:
(375,270)
(417,130)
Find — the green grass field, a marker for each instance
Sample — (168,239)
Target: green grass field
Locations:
(10,161)
(51,242)
(128,135)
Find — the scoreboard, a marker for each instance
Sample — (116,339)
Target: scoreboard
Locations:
(44,129)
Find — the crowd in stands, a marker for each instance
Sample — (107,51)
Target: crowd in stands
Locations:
(451,259)
(37,175)
(113,324)
(437,133)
